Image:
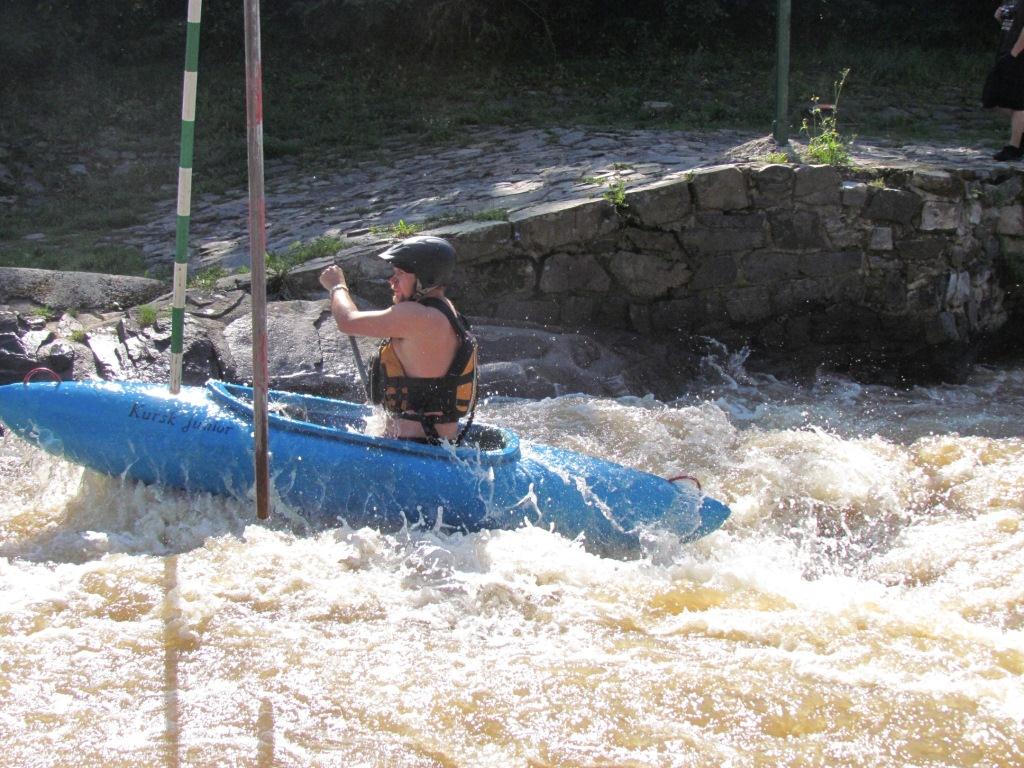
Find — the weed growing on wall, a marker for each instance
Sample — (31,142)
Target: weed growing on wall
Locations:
(281,263)
(825,143)
(616,195)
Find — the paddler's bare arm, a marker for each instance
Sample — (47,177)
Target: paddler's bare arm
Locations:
(401,321)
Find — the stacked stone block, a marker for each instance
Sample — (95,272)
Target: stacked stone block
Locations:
(886,263)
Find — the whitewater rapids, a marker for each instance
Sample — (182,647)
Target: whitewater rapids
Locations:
(863,606)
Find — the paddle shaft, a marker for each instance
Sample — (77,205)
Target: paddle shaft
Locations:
(359,365)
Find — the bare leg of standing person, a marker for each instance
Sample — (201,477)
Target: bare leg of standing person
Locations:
(1013,151)
(1016,127)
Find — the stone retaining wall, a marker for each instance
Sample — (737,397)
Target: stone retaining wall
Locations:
(894,268)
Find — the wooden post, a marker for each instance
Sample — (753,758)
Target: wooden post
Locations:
(257,253)
(782,73)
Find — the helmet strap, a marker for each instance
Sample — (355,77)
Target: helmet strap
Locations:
(420,291)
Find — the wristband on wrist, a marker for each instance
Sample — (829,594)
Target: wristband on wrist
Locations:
(339,287)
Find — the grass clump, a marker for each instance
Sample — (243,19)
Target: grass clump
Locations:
(207,278)
(300,252)
(280,264)
(400,228)
(491,214)
(147,315)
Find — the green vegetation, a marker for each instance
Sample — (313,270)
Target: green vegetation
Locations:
(403,228)
(147,315)
(79,336)
(301,252)
(777,157)
(400,228)
(825,143)
(74,254)
(349,80)
(616,195)
(207,278)
(281,264)
(490,214)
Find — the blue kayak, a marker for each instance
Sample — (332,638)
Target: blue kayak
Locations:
(324,467)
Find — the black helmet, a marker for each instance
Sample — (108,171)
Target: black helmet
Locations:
(430,258)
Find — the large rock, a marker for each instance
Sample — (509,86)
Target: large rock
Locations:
(545,228)
(816,185)
(896,205)
(76,290)
(720,189)
(661,204)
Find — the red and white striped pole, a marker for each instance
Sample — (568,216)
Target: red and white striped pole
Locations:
(257,253)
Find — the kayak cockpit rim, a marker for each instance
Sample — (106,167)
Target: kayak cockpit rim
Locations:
(239,398)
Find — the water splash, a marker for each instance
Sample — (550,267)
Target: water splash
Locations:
(862,606)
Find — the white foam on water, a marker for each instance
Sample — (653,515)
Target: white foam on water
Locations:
(861,607)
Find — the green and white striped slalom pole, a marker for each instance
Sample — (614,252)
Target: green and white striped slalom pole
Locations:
(188,132)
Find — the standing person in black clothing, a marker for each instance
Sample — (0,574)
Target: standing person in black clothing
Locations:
(1004,87)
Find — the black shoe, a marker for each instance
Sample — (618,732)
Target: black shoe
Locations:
(1009,152)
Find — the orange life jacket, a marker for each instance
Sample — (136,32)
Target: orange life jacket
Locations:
(434,400)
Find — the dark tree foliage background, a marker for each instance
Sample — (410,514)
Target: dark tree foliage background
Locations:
(37,36)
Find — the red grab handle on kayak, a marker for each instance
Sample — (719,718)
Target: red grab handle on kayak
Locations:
(34,371)
(687,478)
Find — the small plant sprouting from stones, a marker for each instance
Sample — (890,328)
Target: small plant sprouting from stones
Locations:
(79,336)
(400,228)
(491,214)
(825,144)
(776,158)
(616,195)
(147,315)
(207,278)
(281,264)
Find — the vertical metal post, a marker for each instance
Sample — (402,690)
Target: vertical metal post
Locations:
(257,253)
(782,73)
(184,204)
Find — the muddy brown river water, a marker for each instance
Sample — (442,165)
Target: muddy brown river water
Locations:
(864,606)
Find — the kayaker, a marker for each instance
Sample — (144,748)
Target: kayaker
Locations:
(424,373)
